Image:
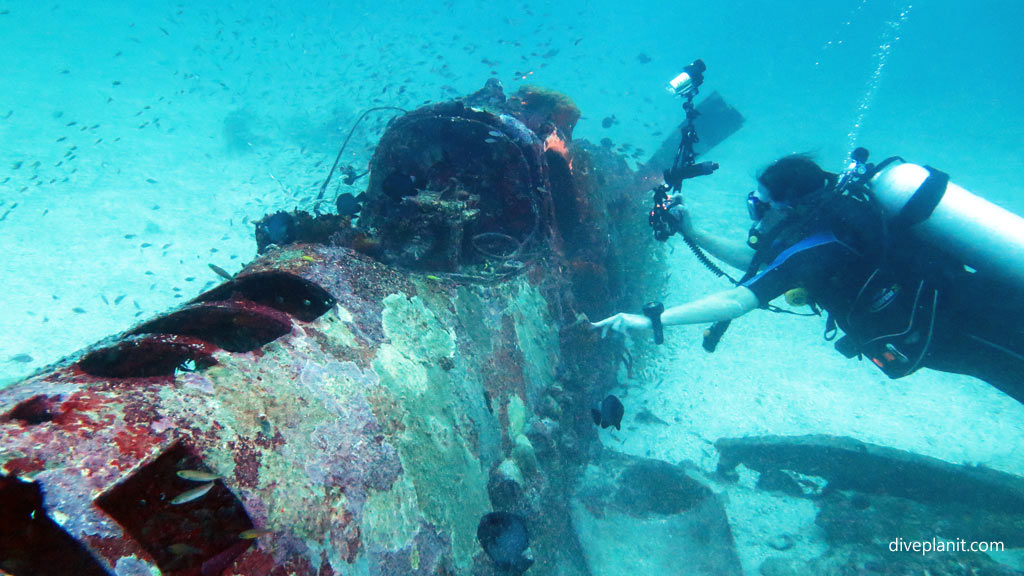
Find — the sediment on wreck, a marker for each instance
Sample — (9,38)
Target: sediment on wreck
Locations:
(356,405)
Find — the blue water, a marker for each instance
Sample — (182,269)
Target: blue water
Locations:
(162,129)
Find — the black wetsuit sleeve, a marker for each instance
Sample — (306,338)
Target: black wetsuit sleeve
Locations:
(808,263)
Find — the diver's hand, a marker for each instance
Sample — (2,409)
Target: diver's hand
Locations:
(682,223)
(623,323)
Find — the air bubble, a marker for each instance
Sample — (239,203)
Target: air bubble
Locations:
(890,35)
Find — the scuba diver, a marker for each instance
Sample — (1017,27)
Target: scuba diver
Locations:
(914,270)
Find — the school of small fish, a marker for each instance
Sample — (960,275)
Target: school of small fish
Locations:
(240,79)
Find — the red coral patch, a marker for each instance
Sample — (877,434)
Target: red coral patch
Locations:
(135,441)
(25,465)
(247,463)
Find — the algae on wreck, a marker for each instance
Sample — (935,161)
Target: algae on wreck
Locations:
(450,481)
(537,338)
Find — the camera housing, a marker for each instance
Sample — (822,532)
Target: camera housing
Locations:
(688,82)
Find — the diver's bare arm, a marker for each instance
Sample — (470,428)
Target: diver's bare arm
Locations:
(732,252)
(724,305)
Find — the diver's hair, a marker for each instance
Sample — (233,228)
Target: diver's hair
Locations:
(793,177)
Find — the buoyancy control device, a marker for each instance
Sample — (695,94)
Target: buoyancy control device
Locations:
(893,319)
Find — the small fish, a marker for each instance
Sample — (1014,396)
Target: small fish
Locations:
(20,358)
(193,494)
(608,121)
(254,533)
(221,272)
(608,412)
(197,476)
(504,538)
(490,140)
(495,133)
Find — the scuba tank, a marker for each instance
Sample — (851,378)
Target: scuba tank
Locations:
(984,237)
(931,220)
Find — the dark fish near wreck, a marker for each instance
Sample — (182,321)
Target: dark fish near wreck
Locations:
(277,227)
(504,538)
(349,205)
(608,412)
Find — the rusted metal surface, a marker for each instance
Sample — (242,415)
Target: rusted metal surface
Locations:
(301,429)
(346,415)
(447,175)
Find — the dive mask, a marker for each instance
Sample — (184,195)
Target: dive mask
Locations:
(756,207)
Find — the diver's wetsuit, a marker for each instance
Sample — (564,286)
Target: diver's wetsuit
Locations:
(830,270)
(978,331)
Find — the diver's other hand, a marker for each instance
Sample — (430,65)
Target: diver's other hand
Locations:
(623,323)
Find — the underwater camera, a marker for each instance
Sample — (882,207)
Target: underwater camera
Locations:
(684,166)
(689,81)
(661,221)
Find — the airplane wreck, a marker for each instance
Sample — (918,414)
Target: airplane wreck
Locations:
(359,396)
